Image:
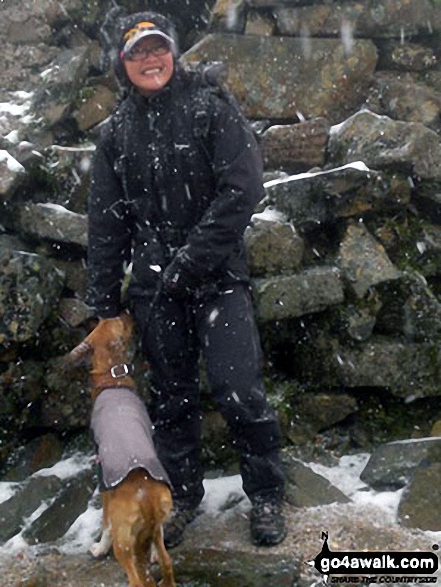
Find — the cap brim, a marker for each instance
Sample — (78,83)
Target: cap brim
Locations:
(141,35)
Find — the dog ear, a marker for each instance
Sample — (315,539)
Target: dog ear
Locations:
(79,354)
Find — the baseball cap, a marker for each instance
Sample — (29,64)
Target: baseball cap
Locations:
(140,31)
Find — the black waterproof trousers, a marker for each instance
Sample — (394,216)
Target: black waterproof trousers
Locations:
(222,328)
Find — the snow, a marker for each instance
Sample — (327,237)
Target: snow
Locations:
(12,164)
(346,477)
(58,208)
(223,496)
(270,214)
(359,165)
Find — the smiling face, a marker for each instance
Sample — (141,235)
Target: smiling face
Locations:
(149,65)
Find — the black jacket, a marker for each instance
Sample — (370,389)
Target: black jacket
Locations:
(160,190)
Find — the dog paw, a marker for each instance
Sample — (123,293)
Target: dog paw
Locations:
(97,550)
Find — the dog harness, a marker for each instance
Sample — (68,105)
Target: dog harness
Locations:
(122,430)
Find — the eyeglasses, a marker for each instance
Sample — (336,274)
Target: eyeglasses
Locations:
(140,53)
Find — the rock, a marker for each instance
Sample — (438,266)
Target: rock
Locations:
(20,389)
(69,504)
(358,321)
(29,290)
(356,19)
(74,311)
(295,147)
(428,202)
(97,103)
(408,370)
(11,174)
(273,247)
(75,272)
(54,222)
(217,568)
(384,143)
(322,82)
(406,56)
(363,261)
(290,296)
(391,465)
(40,453)
(315,198)
(409,308)
(66,404)
(317,412)
(308,489)
(15,510)
(63,81)
(29,30)
(417,507)
(228,16)
(259,24)
(408,100)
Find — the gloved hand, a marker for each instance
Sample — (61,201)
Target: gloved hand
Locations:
(177,280)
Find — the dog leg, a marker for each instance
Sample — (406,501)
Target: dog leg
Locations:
(103,546)
(127,559)
(164,560)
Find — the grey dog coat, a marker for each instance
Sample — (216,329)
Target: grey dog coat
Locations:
(122,430)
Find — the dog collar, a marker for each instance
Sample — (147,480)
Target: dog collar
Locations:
(121,370)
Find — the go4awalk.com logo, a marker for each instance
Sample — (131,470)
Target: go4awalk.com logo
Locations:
(375,566)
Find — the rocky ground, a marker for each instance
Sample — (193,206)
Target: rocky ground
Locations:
(350,528)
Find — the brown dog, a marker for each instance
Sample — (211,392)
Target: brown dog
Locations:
(138,498)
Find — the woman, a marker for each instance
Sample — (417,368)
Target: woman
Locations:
(176,177)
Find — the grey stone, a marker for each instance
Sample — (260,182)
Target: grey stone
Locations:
(209,566)
(273,247)
(409,308)
(12,174)
(295,146)
(308,489)
(290,296)
(54,222)
(24,502)
(356,19)
(407,99)
(29,289)
(383,143)
(318,197)
(409,370)
(392,465)
(318,83)
(68,505)
(418,507)
(363,261)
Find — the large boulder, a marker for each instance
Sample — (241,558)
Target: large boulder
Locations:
(324,81)
(290,296)
(392,465)
(377,18)
(295,146)
(417,507)
(384,143)
(363,261)
(318,197)
(409,370)
(54,222)
(26,500)
(30,289)
(273,246)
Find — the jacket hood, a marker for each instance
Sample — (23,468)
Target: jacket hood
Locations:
(124,25)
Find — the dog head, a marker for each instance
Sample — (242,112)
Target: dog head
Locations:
(107,349)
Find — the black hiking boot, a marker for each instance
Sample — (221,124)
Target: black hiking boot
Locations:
(174,527)
(267,521)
